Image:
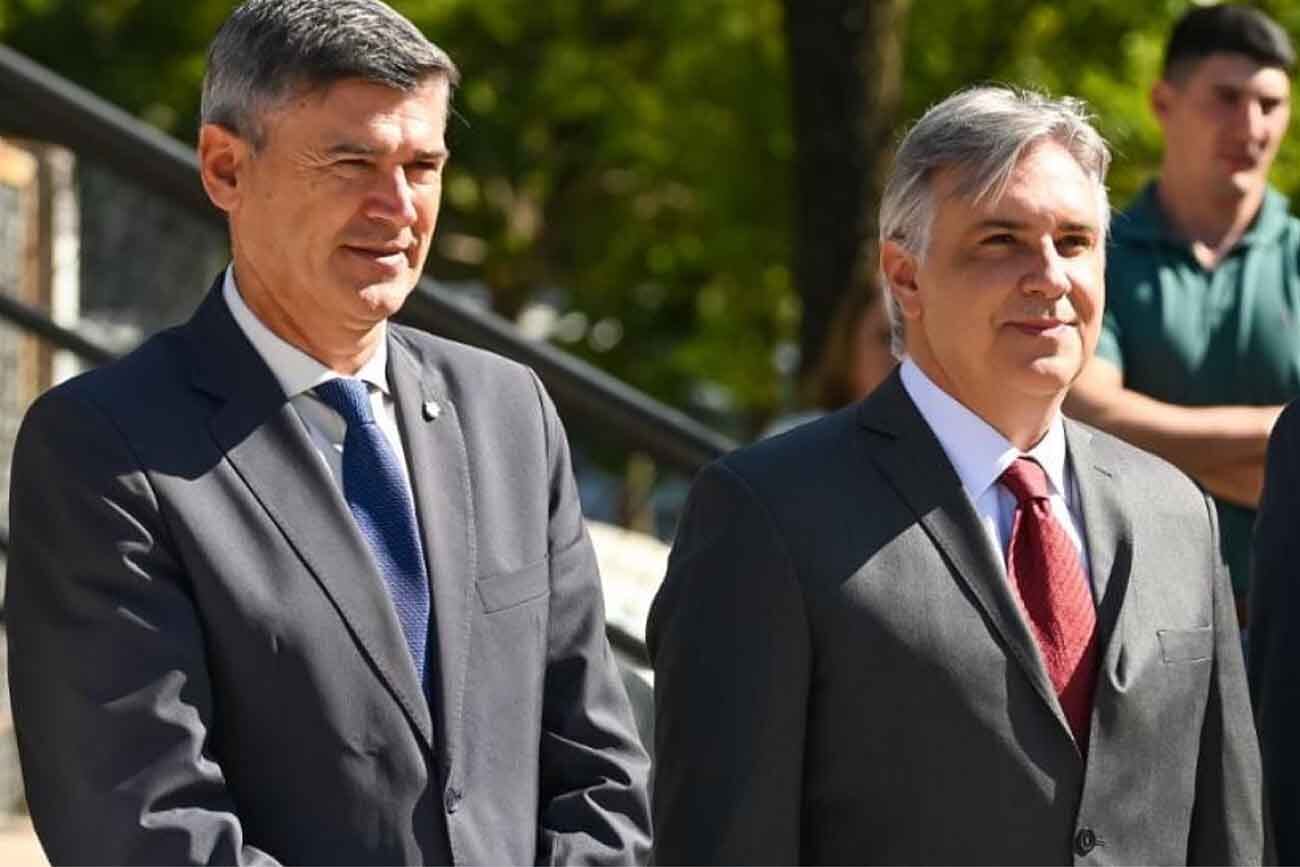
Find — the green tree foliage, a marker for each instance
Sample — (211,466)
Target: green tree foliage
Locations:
(634,155)
(631,160)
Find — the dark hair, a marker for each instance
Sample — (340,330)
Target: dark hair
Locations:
(1226,29)
(270,50)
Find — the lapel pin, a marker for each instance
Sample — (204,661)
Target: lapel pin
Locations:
(431,410)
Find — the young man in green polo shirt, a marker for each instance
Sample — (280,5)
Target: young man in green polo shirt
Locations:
(1200,345)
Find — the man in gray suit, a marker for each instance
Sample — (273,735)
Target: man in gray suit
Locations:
(289,582)
(947,625)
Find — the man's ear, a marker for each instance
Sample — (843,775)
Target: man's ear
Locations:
(1162,93)
(899,267)
(222,158)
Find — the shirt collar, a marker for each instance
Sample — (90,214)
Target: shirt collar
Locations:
(295,370)
(976,450)
(1145,220)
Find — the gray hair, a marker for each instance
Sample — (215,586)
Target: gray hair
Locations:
(982,133)
(271,50)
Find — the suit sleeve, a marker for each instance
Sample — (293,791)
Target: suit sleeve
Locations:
(1275,633)
(594,805)
(108,678)
(1227,816)
(732,655)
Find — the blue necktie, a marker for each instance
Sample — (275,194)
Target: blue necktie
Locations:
(377,494)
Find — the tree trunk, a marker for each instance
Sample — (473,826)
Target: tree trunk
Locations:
(846,82)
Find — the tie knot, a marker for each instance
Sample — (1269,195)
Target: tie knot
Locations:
(1026,480)
(349,398)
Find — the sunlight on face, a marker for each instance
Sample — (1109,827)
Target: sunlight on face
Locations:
(337,209)
(1005,307)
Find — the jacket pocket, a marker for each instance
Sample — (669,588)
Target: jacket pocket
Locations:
(1186,645)
(508,589)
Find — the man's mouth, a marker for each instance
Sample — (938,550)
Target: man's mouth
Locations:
(392,258)
(1041,326)
(1239,162)
(379,251)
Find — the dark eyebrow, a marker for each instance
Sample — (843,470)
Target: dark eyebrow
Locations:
(1005,225)
(1017,226)
(349,149)
(360,150)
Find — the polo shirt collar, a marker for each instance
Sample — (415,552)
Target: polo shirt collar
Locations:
(976,450)
(293,369)
(1144,220)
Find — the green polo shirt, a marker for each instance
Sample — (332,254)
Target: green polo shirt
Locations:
(1189,336)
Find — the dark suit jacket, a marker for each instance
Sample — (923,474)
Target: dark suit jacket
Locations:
(843,675)
(1274,658)
(206,666)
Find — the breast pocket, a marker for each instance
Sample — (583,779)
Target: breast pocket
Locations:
(510,589)
(1186,645)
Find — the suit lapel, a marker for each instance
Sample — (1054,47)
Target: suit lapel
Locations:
(919,469)
(1108,532)
(265,441)
(435,448)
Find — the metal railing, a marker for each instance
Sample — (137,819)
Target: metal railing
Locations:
(35,103)
(35,322)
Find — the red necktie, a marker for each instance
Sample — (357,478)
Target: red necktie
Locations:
(1046,572)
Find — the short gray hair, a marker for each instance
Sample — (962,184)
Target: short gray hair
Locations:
(271,50)
(982,133)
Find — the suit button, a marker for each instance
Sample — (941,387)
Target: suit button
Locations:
(451,800)
(1085,841)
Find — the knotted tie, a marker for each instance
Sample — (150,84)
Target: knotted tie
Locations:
(1046,572)
(377,494)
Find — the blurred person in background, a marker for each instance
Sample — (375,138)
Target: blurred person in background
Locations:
(1200,344)
(856,359)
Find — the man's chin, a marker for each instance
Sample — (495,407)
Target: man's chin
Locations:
(1240,185)
(1048,377)
(385,299)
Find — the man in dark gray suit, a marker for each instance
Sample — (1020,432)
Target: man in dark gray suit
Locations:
(289,582)
(948,625)
(1274,658)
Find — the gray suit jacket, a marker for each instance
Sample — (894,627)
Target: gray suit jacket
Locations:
(205,664)
(843,674)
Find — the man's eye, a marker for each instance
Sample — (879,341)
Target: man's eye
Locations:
(1074,244)
(1001,239)
(424,169)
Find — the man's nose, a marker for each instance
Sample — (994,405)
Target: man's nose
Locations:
(392,200)
(1252,120)
(1047,275)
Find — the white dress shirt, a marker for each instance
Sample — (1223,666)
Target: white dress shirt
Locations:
(980,454)
(298,373)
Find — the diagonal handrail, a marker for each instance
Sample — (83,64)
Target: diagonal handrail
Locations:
(36,103)
(34,320)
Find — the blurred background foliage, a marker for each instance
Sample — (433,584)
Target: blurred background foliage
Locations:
(621,175)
